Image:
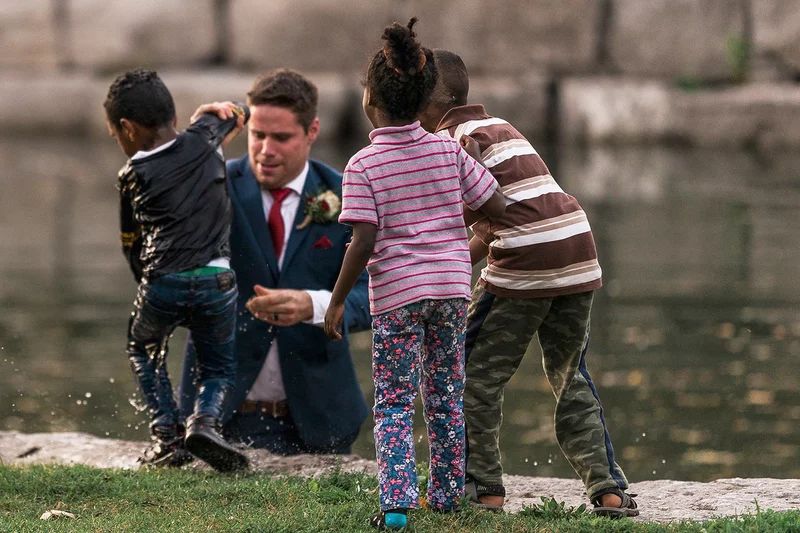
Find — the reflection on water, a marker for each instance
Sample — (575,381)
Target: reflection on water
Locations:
(696,334)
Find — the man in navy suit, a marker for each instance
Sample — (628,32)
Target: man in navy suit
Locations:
(295,391)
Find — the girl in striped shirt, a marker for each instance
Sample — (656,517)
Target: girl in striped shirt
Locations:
(405,196)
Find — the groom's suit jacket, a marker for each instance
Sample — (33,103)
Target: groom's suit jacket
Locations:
(325,400)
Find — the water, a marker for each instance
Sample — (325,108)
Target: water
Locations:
(696,334)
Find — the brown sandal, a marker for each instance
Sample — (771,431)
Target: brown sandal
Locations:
(628,508)
(473,490)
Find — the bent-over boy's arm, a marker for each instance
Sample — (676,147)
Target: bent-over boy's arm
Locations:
(478,250)
(355,260)
(495,206)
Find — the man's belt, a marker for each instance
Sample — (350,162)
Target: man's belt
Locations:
(277,409)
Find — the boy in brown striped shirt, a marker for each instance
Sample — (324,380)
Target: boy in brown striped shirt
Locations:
(540,276)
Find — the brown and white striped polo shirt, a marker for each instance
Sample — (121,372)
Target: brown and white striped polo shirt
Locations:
(543,246)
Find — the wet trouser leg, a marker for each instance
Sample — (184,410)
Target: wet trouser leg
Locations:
(579,421)
(213,324)
(148,330)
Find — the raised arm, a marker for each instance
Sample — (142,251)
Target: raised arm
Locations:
(223,119)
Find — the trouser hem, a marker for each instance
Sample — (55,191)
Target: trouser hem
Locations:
(594,489)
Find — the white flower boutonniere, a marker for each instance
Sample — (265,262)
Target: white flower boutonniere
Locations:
(323,208)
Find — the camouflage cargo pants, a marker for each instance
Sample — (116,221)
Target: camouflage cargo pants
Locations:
(498,333)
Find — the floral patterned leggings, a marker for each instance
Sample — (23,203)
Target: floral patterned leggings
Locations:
(430,334)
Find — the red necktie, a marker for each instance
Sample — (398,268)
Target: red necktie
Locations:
(275,220)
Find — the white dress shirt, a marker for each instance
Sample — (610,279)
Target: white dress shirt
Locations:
(268,386)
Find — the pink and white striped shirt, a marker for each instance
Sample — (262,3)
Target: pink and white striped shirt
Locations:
(412,185)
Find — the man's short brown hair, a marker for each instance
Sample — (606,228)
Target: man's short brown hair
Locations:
(286,88)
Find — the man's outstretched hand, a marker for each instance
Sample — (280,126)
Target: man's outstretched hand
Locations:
(280,307)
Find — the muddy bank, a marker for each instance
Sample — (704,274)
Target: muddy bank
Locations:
(661,500)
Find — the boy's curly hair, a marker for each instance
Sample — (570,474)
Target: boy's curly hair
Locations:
(139,95)
(402,75)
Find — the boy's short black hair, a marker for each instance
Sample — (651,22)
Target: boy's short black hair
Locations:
(140,96)
(452,75)
(286,88)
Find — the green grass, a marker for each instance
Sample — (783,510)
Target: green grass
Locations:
(185,500)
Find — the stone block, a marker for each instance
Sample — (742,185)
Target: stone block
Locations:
(54,103)
(512,36)
(755,115)
(678,39)
(106,35)
(313,35)
(614,110)
(776,34)
(27,35)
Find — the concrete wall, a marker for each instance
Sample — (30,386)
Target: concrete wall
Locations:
(702,71)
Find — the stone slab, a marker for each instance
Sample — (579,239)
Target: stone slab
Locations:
(618,110)
(111,35)
(675,39)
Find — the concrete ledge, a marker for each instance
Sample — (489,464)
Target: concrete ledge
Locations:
(660,500)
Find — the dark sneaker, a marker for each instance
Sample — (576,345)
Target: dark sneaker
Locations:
(165,454)
(203,440)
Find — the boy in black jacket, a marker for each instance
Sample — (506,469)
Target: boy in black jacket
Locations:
(175,225)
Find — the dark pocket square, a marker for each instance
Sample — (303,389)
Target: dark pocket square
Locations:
(323,242)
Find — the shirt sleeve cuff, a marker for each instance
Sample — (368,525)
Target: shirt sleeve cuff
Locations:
(320,300)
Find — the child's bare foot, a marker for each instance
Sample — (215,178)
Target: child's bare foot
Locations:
(610,500)
(615,503)
(491,497)
(490,500)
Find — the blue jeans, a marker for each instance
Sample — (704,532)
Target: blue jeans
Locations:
(206,305)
